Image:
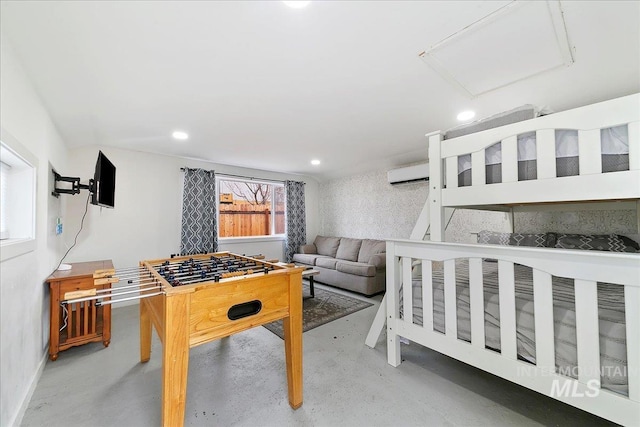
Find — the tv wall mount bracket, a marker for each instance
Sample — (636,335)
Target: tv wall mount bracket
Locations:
(76,186)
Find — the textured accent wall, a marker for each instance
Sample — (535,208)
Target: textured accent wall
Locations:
(367,206)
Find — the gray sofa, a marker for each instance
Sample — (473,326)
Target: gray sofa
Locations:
(357,265)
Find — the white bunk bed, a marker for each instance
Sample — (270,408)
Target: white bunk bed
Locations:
(527,353)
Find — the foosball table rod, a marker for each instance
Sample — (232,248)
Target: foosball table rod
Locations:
(97,298)
(99,303)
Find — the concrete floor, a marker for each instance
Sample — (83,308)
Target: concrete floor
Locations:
(241,381)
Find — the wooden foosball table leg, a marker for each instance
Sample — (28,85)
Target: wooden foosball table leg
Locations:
(145,332)
(175,359)
(293,342)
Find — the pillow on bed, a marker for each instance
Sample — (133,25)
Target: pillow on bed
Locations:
(604,242)
(524,112)
(630,244)
(539,240)
(486,237)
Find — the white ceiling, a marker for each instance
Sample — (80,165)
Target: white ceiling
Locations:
(261,85)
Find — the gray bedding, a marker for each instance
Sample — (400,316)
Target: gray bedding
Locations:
(610,314)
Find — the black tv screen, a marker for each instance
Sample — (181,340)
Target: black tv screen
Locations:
(104,182)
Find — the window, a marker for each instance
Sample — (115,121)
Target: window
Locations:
(17,197)
(249,208)
(4,176)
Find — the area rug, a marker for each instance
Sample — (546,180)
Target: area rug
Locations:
(325,307)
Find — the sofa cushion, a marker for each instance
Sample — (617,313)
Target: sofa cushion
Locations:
(349,249)
(327,262)
(371,247)
(308,259)
(356,268)
(327,245)
(379,261)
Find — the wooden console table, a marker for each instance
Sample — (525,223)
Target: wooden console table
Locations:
(81,322)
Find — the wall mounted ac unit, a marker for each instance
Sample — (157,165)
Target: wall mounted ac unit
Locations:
(408,174)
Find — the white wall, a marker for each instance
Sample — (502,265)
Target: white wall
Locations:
(145,223)
(24,311)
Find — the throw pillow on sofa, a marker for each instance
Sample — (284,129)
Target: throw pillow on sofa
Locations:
(349,249)
(327,245)
(369,248)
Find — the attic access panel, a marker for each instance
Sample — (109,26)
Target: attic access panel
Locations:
(517,41)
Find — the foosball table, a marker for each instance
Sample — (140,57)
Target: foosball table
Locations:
(192,300)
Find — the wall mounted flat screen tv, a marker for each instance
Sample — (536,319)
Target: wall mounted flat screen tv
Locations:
(104,183)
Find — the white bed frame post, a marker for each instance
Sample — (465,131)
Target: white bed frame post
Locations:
(436,177)
(632,320)
(391,308)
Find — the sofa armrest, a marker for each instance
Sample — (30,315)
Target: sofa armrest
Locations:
(379,261)
(308,249)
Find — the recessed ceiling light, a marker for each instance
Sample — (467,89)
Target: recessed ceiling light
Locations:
(466,115)
(297,4)
(180,135)
(315,162)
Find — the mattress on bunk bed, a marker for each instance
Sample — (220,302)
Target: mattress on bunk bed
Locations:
(524,112)
(610,315)
(614,155)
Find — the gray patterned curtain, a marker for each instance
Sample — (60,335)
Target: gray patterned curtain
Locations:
(296,223)
(199,224)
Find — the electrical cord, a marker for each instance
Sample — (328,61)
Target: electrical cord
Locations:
(75,240)
(66,317)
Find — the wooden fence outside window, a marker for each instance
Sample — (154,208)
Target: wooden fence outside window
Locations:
(245,219)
